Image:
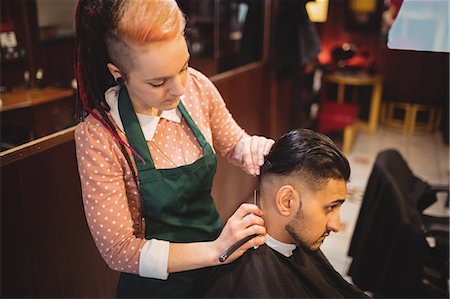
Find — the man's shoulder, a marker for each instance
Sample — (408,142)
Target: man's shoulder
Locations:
(252,275)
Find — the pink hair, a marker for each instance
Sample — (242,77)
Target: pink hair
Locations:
(136,21)
(144,21)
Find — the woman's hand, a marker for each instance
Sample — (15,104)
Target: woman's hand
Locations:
(253,152)
(244,222)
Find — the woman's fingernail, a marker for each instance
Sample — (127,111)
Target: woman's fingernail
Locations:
(260,162)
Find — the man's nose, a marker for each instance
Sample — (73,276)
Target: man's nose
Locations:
(334,223)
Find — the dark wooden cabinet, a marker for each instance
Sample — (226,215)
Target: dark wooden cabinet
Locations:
(27,114)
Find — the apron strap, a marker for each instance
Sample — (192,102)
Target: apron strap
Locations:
(198,134)
(133,131)
(135,135)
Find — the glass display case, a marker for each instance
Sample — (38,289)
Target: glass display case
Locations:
(223,35)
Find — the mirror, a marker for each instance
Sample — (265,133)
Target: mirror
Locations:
(223,35)
(421,26)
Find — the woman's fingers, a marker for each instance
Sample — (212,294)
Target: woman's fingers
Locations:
(252,219)
(244,222)
(247,157)
(267,146)
(254,150)
(245,209)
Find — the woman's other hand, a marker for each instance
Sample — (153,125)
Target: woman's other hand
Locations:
(246,221)
(253,152)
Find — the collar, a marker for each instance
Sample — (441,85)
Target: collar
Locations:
(148,123)
(283,248)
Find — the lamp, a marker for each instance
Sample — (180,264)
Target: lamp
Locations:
(317,10)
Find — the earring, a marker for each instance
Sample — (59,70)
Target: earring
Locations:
(120,81)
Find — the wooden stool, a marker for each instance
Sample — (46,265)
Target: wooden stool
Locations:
(408,121)
(433,121)
(337,117)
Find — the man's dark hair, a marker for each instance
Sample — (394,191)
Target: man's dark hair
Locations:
(311,155)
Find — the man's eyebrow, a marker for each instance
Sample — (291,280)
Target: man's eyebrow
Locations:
(165,78)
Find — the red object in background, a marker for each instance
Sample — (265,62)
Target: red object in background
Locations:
(397,4)
(360,59)
(6,27)
(335,116)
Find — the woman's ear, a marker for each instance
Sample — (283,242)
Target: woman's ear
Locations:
(286,200)
(114,70)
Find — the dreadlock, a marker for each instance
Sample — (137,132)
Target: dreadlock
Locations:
(105,29)
(93,19)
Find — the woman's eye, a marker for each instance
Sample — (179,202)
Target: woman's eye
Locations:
(156,85)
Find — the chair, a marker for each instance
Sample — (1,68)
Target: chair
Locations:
(334,117)
(397,251)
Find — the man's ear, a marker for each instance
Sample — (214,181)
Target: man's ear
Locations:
(114,70)
(285,200)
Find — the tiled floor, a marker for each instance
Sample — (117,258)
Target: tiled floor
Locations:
(427,156)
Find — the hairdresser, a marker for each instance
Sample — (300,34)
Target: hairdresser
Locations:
(145,149)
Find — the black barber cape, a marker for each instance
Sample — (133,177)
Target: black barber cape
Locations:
(265,273)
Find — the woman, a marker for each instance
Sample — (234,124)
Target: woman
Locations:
(145,152)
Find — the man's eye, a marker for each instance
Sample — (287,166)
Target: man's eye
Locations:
(330,208)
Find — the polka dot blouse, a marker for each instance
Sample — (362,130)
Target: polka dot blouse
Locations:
(110,195)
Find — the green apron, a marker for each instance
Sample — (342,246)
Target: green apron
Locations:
(177,206)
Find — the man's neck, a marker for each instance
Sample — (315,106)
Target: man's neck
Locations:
(281,247)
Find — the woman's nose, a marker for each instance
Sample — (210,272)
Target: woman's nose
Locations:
(177,87)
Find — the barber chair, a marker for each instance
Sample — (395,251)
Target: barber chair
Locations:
(397,251)
(335,117)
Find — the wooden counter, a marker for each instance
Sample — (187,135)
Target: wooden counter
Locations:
(27,114)
(22,97)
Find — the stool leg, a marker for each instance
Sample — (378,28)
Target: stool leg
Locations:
(349,134)
(432,116)
(437,124)
(412,119)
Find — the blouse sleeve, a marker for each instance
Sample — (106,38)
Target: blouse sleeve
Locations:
(227,134)
(108,191)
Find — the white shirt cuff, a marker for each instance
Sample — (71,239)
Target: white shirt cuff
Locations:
(153,259)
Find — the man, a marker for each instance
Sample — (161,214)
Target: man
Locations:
(302,186)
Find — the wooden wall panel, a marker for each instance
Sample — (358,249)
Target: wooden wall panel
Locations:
(47,249)
(16,244)
(246,98)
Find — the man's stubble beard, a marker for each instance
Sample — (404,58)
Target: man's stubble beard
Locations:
(297,222)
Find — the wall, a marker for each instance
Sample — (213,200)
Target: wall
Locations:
(247,99)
